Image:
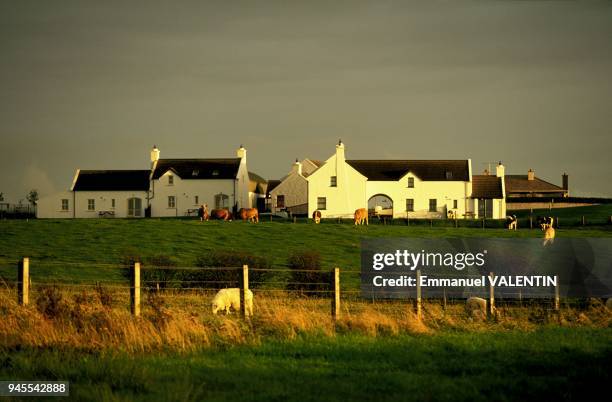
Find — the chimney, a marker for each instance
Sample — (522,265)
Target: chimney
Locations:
(530,175)
(241,153)
(500,170)
(154,154)
(340,151)
(297,167)
(565,181)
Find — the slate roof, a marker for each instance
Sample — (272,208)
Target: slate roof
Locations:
(427,170)
(188,169)
(486,186)
(112,180)
(517,183)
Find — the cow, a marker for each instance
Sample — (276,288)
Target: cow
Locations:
(316,215)
(361,215)
(221,214)
(511,222)
(250,214)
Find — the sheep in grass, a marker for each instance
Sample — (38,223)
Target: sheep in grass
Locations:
(230,298)
(476,308)
(609,304)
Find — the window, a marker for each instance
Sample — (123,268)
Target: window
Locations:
(196,200)
(280,201)
(409,205)
(455,203)
(221,201)
(170,180)
(333,181)
(91,204)
(433,205)
(411,182)
(113,203)
(65,204)
(321,203)
(171,201)
(134,207)
(449,175)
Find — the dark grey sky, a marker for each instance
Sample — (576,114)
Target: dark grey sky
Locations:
(96,84)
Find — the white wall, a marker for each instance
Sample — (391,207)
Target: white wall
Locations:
(343,200)
(50,206)
(103,202)
(185,191)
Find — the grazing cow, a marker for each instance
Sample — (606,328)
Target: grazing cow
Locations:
(549,232)
(221,214)
(230,298)
(511,222)
(252,214)
(316,215)
(361,215)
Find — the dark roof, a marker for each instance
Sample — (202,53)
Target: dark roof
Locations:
(112,180)
(427,170)
(188,169)
(486,186)
(272,184)
(518,183)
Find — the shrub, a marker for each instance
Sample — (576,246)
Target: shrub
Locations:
(157,271)
(306,274)
(225,278)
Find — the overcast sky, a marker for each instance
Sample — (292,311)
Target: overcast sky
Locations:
(93,85)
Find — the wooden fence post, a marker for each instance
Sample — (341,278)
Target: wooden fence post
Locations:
(557,299)
(583,220)
(491,310)
(135,290)
(244,289)
(336,299)
(418,297)
(23,281)
(530,222)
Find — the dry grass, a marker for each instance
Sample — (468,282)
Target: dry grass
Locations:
(184,322)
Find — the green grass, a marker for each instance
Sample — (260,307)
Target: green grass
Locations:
(78,249)
(548,364)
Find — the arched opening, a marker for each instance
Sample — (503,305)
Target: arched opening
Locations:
(134,207)
(380,205)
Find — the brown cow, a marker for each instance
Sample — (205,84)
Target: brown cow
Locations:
(252,214)
(316,215)
(221,214)
(361,215)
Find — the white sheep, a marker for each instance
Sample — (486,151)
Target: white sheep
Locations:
(476,307)
(609,304)
(226,298)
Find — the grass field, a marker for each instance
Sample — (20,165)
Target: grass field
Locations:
(548,364)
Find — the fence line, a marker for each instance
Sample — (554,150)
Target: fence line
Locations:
(331,288)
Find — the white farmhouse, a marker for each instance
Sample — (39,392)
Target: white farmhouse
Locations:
(180,186)
(291,194)
(398,188)
(172,187)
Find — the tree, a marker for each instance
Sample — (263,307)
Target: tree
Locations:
(32,197)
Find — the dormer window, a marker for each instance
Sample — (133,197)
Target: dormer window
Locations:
(449,175)
(411,182)
(215,173)
(170,179)
(195,172)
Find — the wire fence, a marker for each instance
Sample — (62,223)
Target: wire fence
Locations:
(338,290)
